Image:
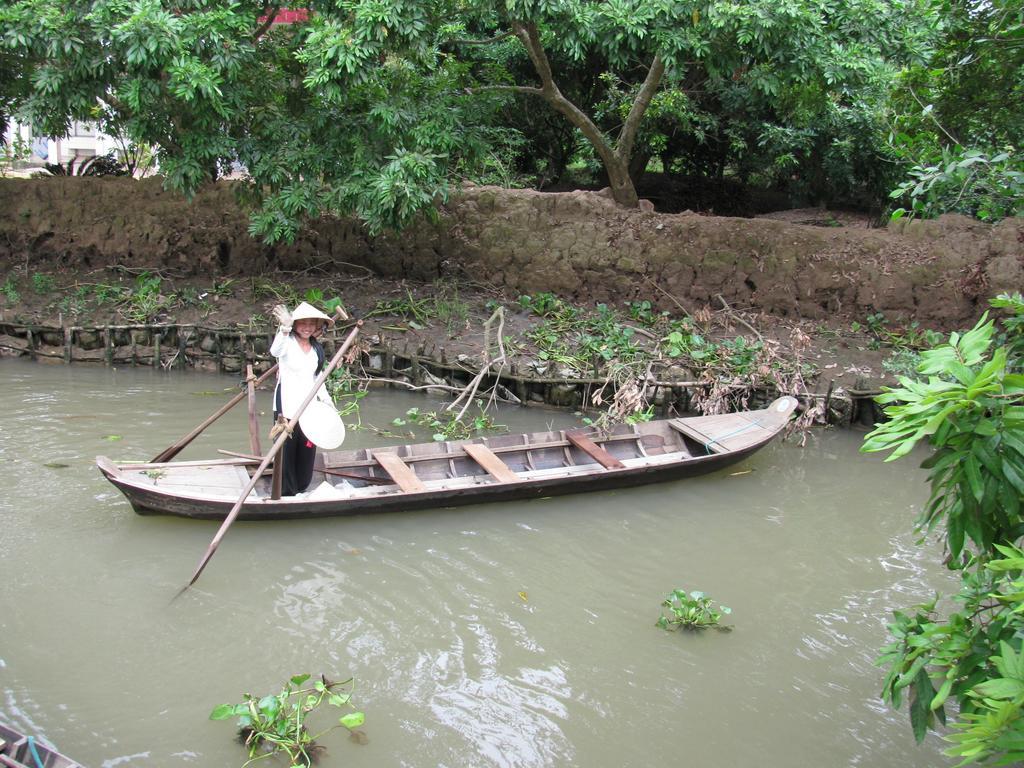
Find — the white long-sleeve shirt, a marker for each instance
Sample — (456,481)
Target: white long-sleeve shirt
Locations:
(296,374)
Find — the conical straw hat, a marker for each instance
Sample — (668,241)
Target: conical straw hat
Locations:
(308,312)
(322,425)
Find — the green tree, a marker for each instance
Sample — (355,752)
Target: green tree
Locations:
(372,107)
(766,57)
(974,78)
(970,410)
(957,125)
(350,112)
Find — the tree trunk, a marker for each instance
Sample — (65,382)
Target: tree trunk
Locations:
(638,166)
(620,183)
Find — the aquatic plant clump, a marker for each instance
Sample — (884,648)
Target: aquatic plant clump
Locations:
(276,724)
(692,611)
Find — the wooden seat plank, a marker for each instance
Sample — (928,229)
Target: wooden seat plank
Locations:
(599,454)
(399,471)
(487,459)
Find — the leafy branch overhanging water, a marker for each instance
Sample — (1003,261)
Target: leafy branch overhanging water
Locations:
(968,404)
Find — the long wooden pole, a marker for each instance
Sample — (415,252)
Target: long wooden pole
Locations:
(270,455)
(173,450)
(254,430)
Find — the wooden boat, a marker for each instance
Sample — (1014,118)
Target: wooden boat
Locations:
(454,473)
(20,751)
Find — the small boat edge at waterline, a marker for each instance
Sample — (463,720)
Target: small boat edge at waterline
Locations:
(20,751)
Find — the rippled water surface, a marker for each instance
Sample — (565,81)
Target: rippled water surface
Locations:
(514,635)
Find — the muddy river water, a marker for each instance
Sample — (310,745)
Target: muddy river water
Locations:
(515,635)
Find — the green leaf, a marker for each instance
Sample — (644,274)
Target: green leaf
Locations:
(299,679)
(942,695)
(223,712)
(921,698)
(1016,479)
(338,699)
(352,720)
(911,675)
(961,372)
(973,473)
(987,457)
(955,535)
(270,705)
(1000,688)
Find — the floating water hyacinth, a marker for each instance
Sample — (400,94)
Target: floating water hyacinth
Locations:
(693,610)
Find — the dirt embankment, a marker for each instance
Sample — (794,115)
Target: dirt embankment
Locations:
(578,245)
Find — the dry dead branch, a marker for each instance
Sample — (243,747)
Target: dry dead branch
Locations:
(493,342)
(735,316)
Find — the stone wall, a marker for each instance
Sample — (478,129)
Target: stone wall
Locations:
(386,362)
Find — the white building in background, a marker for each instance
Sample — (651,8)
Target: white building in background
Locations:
(85,140)
(82,142)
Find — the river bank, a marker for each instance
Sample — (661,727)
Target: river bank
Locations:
(439,336)
(669,311)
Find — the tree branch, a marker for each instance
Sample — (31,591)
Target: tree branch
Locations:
(640,104)
(931,114)
(533,91)
(270,12)
(530,38)
(738,319)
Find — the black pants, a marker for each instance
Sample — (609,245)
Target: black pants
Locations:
(297,457)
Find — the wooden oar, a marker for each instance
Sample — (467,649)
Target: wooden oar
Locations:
(271,454)
(171,451)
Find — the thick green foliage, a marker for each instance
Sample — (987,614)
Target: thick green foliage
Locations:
(372,108)
(970,409)
(971,657)
(971,182)
(973,79)
(13,85)
(773,92)
(351,112)
(802,112)
(957,125)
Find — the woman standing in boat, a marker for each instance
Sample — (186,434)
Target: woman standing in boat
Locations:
(300,359)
